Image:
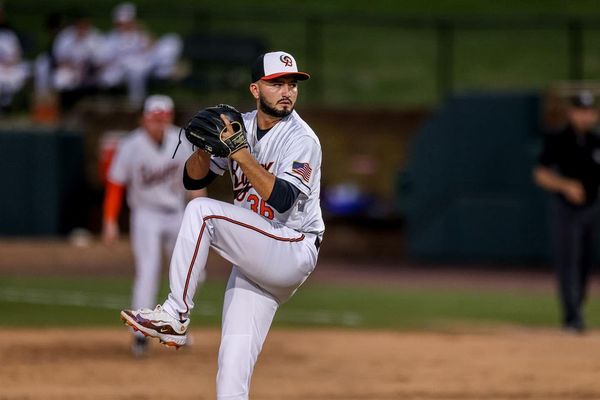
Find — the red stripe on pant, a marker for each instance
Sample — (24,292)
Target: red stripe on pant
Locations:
(191,267)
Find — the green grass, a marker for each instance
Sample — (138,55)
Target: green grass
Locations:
(91,302)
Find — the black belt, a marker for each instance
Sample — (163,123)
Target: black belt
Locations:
(317,243)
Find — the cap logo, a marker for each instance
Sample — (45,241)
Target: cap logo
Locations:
(286,60)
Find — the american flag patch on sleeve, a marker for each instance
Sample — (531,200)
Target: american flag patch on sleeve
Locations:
(302,169)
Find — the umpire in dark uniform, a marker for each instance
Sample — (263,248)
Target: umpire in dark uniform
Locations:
(569,167)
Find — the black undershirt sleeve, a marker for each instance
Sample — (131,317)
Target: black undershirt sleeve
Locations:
(283,196)
(196,184)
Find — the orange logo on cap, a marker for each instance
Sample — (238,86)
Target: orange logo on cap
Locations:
(286,60)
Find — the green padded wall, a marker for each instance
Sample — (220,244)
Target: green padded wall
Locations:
(42,175)
(467,193)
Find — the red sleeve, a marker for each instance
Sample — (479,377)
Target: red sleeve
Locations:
(113,199)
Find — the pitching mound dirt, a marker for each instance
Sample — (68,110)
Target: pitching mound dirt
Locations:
(507,363)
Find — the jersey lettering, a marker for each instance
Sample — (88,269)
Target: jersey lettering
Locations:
(241,183)
(153,177)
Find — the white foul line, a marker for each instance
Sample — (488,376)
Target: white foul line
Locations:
(207,309)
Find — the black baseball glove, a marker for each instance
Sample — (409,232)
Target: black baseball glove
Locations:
(205,130)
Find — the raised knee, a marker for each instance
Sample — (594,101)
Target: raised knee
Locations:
(201,206)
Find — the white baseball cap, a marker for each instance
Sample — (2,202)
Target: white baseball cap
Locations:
(273,65)
(158,103)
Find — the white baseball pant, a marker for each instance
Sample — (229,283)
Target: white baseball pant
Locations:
(153,234)
(270,262)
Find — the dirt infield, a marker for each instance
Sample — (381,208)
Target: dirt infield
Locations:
(509,363)
(318,364)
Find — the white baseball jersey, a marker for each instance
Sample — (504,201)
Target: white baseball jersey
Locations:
(13,71)
(10,48)
(291,151)
(74,53)
(119,46)
(70,47)
(131,57)
(153,178)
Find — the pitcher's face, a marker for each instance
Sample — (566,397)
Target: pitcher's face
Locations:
(276,97)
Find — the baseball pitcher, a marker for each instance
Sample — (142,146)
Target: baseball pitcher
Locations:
(272,232)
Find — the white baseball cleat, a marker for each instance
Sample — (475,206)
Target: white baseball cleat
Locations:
(159,324)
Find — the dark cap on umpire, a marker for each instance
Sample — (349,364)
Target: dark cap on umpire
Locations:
(276,64)
(583,99)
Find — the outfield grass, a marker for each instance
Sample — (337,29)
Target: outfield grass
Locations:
(56,302)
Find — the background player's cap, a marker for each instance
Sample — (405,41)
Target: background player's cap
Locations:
(158,104)
(124,12)
(273,65)
(583,99)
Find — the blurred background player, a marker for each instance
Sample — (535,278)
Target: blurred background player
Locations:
(569,167)
(143,165)
(129,56)
(69,67)
(75,51)
(13,70)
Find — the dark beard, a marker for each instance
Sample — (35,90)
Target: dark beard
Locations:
(273,112)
